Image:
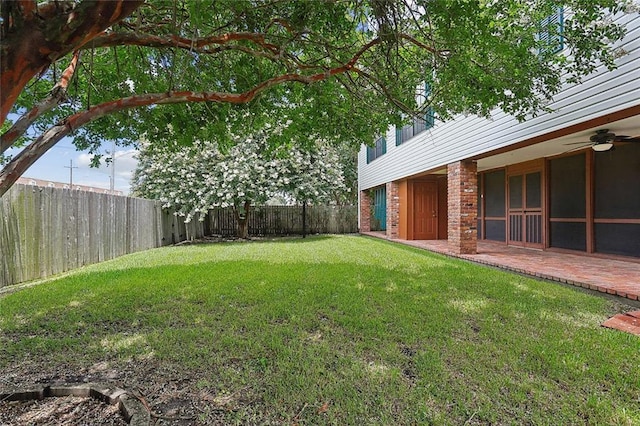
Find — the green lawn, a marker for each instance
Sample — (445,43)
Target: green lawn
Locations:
(331,330)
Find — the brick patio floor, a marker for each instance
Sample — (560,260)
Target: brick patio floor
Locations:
(612,276)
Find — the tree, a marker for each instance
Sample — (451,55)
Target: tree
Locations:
(348,157)
(115,69)
(193,179)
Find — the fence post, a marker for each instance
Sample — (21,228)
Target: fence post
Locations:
(304,219)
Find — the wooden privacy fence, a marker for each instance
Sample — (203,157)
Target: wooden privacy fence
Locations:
(287,220)
(46,231)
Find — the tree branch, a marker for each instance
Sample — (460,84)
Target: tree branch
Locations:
(31,153)
(203,44)
(385,91)
(20,163)
(29,49)
(27,7)
(57,96)
(148,40)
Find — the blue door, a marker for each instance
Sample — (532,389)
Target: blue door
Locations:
(379,222)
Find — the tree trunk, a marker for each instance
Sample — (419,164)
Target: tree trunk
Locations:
(57,96)
(304,219)
(34,36)
(242,220)
(243,229)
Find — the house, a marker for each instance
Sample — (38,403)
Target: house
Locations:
(564,180)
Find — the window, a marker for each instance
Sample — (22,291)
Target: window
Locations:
(378,150)
(494,195)
(617,201)
(550,34)
(568,202)
(418,125)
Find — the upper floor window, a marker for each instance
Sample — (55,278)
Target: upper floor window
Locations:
(550,34)
(418,125)
(378,150)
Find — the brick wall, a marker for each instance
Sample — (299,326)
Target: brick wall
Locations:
(462,198)
(393,209)
(365,211)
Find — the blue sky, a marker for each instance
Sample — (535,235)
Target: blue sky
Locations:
(54,166)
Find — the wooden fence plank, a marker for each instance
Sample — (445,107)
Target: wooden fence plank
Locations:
(9,244)
(32,230)
(71,230)
(58,232)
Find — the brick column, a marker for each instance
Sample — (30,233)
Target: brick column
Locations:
(365,211)
(462,196)
(393,210)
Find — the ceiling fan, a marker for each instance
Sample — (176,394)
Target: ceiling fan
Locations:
(604,140)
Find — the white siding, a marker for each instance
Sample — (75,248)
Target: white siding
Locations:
(600,93)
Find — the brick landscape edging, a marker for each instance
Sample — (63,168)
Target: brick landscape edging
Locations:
(130,407)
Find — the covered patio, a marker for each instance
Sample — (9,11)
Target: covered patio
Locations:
(619,277)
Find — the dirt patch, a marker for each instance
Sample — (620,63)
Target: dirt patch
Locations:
(68,410)
(171,396)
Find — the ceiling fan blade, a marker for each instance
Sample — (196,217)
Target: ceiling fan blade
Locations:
(604,136)
(623,138)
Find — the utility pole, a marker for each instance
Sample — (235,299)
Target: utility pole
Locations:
(113,165)
(71,167)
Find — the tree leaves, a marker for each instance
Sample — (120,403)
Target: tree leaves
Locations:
(340,71)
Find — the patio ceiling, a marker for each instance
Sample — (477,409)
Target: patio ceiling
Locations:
(628,126)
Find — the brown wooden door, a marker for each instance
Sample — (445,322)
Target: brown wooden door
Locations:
(425,212)
(525,209)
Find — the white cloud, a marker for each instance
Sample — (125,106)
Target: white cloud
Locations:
(84,160)
(125,164)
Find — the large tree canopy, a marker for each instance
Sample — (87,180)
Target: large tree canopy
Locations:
(340,70)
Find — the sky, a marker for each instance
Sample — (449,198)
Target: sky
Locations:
(54,166)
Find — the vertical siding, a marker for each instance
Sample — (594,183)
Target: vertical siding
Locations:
(600,93)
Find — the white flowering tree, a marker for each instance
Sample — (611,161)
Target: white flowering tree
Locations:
(193,179)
